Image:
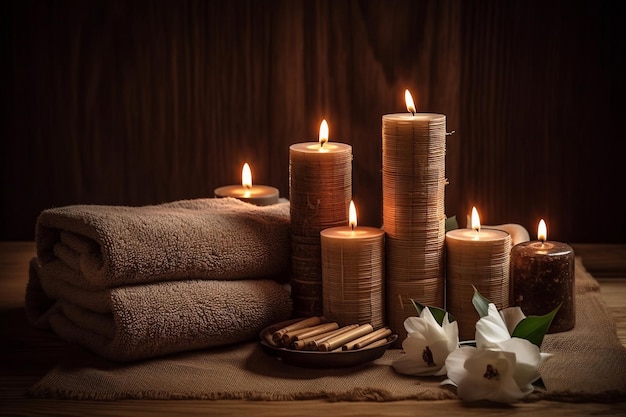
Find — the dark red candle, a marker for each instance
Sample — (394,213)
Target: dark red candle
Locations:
(542,277)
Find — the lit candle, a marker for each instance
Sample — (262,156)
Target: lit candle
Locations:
(480,258)
(413,187)
(405,124)
(542,276)
(260,195)
(320,190)
(353,273)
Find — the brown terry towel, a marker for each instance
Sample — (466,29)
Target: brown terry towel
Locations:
(142,321)
(212,238)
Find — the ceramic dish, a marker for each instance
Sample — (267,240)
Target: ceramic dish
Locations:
(316,359)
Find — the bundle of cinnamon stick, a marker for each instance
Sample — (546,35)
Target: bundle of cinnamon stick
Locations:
(316,333)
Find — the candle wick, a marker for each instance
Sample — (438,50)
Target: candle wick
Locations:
(352,226)
(412,113)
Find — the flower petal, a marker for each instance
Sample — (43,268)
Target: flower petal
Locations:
(527,358)
(415,324)
(455,363)
(422,358)
(451,331)
(489,376)
(407,365)
(491,329)
(512,316)
(544,357)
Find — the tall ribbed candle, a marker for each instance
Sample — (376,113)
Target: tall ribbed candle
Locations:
(320,190)
(413,182)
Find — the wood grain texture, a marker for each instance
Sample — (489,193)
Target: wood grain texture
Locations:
(115,102)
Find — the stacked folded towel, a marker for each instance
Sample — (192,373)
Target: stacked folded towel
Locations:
(131,283)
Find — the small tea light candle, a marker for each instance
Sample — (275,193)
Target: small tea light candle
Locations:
(542,276)
(260,195)
(479,258)
(353,271)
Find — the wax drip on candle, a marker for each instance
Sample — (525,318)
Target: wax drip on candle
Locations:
(323,133)
(410,105)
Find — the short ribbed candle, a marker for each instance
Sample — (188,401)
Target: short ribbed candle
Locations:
(353,274)
(413,183)
(320,190)
(480,259)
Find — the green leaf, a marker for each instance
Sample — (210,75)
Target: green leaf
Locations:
(419,307)
(437,312)
(534,328)
(451,223)
(481,304)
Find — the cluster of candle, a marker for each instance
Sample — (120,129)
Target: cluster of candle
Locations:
(538,276)
(339,268)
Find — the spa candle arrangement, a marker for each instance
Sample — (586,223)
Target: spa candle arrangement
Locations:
(542,276)
(353,273)
(260,195)
(478,257)
(320,190)
(413,186)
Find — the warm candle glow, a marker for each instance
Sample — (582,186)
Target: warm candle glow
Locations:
(246,176)
(352,215)
(542,231)
(410,105)
(475,220)
(323,133)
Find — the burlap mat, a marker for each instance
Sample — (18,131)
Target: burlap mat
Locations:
(589,364)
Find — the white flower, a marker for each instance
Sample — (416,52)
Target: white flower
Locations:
(427,345)
(483,374)
(499,368)
(492,328)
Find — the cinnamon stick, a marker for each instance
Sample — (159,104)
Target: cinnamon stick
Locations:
(367,339)
(308,322)
(376,344)
(314,344)
(339,340)
(305,332)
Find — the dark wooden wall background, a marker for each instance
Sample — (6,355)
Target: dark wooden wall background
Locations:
(141,102)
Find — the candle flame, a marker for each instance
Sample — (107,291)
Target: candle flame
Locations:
(352,215)
(542,231)
(410,105)
(323,133)
(246,176)
(475,220)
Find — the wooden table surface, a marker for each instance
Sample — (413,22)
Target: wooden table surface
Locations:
(27,354)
